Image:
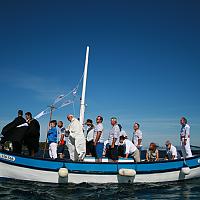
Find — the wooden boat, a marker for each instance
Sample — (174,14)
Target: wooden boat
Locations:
(52,171)
(125,171)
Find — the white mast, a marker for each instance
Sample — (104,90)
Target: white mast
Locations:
(82,108)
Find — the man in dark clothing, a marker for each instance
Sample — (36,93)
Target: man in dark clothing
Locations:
(32,134)
(15,132)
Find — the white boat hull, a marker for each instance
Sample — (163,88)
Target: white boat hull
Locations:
(22,173)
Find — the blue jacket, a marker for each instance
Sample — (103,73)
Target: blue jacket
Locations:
(52,135)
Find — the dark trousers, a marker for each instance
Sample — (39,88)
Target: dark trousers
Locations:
(17,147)
(90,148)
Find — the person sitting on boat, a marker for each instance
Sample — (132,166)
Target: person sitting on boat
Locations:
(113,139)
(15,132)
(89,138)
(130,149)
(171,152)
(52,139)
(98,139)
(77,139)
(185,138)
(137,136)
(61,140)
(32,136)
(152,153)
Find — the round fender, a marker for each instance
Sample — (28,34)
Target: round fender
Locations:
(185,170)
(63,172)
(127,172)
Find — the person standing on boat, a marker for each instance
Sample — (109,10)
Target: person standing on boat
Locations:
(185,138)
(32,136)
(52,139)
(61,139)
(130,149)
(113,139)
(15,132)
(98,139)
(89,138)
(77,139)
(137,136)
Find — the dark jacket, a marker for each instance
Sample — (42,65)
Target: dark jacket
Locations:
(13,133)
(33,135)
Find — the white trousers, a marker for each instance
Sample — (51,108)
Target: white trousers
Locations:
(77,147)
(136,155)
(53,150)
(185,149)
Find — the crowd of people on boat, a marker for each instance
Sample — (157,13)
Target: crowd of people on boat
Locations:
(89,142)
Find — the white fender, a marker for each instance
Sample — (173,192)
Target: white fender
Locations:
(185,170)
(63,172)
(127,172)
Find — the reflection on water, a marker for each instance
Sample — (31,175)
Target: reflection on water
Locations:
(10,189)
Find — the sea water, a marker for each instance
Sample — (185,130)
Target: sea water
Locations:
(11,189)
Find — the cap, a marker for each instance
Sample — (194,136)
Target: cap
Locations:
(167,142)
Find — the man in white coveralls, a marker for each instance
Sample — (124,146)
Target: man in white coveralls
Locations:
(77,139)
(185,138)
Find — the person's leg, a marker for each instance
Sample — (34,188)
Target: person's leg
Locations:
(54,150)
(114,154)
(99,152)
(50,151)
(188,149)
(183,150)
(136,155)
(71,148)
(17,147)
(80,146)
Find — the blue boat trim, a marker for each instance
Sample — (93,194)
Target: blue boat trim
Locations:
(97,168)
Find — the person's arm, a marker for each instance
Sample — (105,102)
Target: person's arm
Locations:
(116,136)
(187,133)
(139,139)
(147,156)
(126,155)
(127,150)
(157,156)
(113,143)
(97,137)
(173,157)
(139,142)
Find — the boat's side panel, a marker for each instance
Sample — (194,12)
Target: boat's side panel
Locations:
(21,173)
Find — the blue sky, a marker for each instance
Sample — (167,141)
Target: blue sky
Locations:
(144,62)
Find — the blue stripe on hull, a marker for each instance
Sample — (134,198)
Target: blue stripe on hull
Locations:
(98,168)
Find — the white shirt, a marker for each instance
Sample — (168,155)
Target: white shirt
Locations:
(99,128)
(172,151)
(61,131)
(123,133)
(90,134)
(75,128)
(114,133)
(136,136)
(130,147)
(185,132)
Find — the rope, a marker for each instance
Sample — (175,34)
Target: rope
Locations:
(60,98)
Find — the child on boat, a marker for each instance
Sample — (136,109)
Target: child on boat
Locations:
(152,153)
(52,139)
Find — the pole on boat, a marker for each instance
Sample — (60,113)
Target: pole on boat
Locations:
(52,107)
(82,107)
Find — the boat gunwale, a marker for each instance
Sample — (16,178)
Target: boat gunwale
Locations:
(90,162)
